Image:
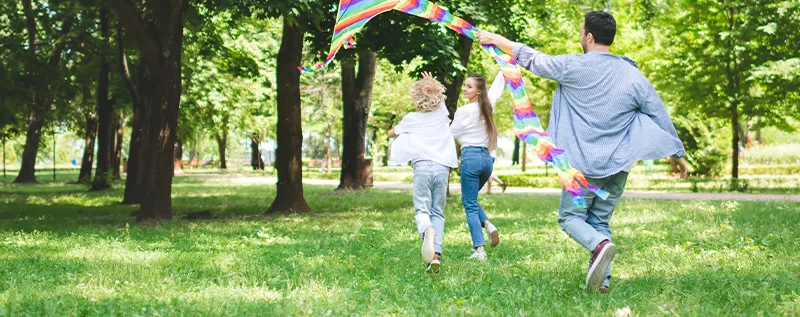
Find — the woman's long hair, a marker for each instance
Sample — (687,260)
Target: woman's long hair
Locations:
(486,110)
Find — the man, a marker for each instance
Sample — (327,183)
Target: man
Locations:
(606,115)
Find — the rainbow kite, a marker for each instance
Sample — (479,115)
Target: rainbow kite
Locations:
(354,14)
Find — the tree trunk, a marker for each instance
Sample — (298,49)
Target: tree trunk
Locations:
(515,154)
(32,139)
(222,145)
(453,91)
(524,156)
(160,41)
(328,151)
(178,159)
(41,100)
(255,153)
(105,133)
(116,158)
(289,197)
(133,180)
(357,99)
(85,175)
(733,90)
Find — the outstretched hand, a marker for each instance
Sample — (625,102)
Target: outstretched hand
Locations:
(427,75)
(489,38)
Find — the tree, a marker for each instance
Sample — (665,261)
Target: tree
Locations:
(715,48)
(289,197)
(90,133)
(159,38)
(356,102)
(43,74)
(106,135)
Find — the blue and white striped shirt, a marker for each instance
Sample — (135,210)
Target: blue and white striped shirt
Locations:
(606,115)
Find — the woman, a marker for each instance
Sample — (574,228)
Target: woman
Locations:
(473,127)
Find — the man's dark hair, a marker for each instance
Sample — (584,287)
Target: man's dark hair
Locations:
(602,26)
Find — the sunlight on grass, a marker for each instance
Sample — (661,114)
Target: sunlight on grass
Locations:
(77,252)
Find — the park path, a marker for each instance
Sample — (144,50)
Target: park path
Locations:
(631,194)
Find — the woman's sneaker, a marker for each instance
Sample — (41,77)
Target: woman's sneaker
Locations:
(478,255)
(491,232)
(428,251)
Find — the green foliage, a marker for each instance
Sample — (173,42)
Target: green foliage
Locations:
(704,150)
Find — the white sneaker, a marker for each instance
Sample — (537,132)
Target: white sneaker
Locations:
(478,255)
(428,251)
(433,267)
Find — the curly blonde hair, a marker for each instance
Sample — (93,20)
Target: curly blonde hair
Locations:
(427,94)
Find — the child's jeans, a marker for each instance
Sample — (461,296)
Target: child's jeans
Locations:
(430,197)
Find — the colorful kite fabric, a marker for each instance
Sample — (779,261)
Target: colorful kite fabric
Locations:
(354,14)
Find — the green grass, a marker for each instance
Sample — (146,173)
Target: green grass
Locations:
(68,252)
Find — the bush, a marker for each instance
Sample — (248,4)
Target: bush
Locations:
(705,151)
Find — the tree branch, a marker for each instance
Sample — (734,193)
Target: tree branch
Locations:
(66,26)
(30,20)
(148,45)
(123,69)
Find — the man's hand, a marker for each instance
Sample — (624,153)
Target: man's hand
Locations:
(391,133)
(684,167)
(489,38)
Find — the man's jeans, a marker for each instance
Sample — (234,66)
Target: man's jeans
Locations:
(591,226)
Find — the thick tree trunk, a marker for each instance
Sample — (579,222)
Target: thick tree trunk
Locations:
(27,172)
(289,197)
(105,111)
(357,99)
(160,42)
(85,175)
(116,158)
(453,86)
(515,154)
(222,145)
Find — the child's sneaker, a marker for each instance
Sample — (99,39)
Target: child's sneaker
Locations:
(433,267)
(428,251)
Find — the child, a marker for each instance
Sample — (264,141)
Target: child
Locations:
(424,139)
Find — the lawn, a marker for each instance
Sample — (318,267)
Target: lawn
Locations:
(68,252)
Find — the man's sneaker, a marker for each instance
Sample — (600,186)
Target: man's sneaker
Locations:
(601,258)
(433,267)
(478,255)
(427,245)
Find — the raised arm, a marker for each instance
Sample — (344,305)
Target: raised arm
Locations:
(541,64)
(496,90)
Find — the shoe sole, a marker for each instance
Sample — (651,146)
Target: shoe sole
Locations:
(428,251)
(495,238)
(433,268)
(597,272)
